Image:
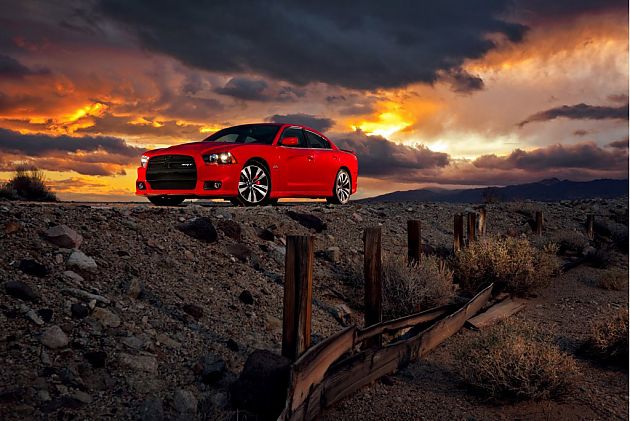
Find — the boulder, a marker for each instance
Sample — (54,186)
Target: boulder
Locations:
(106,317)
(209,368)
(231,229)
(32,267)
(63,236)
(262,386)
(201,229)
(185,402)
(308,220)
(246,297)
(146,363)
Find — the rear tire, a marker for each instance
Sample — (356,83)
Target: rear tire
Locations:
(254,186)
(342,189)
(166,200)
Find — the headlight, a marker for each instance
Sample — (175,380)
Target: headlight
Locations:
(144,160)
(219,158)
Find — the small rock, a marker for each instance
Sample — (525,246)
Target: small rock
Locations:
(185,402)
(210,368)
(246,297)
(265,234)
(308,220)
(79,311)
(144,363)
(342,313)
(240,251)
(86,296)
(333,254)
(20,290)
(134,288)
(43,395)
(73,276)
(166,340)
(193,310)
(81,397)
(32,267)
(106,317)
(46,314)
(82,261)
(201,229)
(96,358)
(54,338)
(357,217)
(231,229)
(63,236)
(232,345)
(12,227)
(133,342)
(33,316)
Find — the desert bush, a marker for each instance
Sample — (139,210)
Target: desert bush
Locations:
(411,288)
(570,240)
(616,232)
(609,339)
(513,361)
(599,258)
(28,183)
(613,279)
(513,264)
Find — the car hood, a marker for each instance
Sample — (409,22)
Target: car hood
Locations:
(194,148)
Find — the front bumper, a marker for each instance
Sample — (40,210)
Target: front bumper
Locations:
(209,176)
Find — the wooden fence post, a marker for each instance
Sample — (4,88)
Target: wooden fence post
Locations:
(414,241)
(298,290)
(481,223)
(373,281)
(590,221)
(458,232)
(538,228)
(472,225)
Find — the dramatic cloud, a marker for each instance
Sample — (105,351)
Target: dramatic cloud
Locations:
(580,156)
(620,144)
(321,124)
(41,144)
(579,112)
(371,45)
(244,88)
(381,157)
(462,81)
(11,68)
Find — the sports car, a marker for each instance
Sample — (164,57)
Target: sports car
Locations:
(250,164)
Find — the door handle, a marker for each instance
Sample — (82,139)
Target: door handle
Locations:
(310,157)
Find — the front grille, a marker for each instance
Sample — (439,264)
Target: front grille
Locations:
(172,172)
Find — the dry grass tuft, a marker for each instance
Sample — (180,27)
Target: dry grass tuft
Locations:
(513,264)
(408,289)
(609,339)
(513,361)
(613,280)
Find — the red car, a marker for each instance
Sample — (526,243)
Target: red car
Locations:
(251,164)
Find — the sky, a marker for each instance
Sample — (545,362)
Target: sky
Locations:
(447,94)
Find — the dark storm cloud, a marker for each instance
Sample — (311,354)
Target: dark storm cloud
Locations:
(463,82)
(580,112)
(381,157)
(580,156)
(363,45)
(41,144)
(244,88)
(11,68)
(545,10)
(619,144)
(318,123)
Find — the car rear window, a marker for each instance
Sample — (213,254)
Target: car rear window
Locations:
(315,141)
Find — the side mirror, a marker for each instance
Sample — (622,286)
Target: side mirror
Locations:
(290,141)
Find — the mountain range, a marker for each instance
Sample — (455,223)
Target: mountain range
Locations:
(545,190)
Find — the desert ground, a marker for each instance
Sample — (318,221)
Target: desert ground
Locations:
(147,322)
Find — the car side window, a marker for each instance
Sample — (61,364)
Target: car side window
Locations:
(228,138)
(317,142)
(295,132)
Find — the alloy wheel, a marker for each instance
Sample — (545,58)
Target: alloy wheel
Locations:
(253,186)
(343,187)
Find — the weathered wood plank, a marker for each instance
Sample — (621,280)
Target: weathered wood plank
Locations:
(458,232)
(373,282)
(414,241)
(499,311)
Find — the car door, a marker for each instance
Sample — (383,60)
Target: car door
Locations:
(297,163)
(325,162)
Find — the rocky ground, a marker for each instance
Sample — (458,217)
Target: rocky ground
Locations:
(131,311)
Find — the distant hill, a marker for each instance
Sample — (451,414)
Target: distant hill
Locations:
(545,190)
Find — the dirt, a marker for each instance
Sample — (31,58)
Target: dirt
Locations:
(171,300)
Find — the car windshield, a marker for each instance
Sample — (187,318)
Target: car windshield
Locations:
(251,133)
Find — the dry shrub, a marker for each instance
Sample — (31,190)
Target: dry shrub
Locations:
(513,361)
(613,280)
(609,339)
(28,183)
(599,258)
(411,288)
(570,241)
(513,264)
(617,233)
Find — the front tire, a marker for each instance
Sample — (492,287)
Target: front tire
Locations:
(254,186)
(342,188)
(166,200)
